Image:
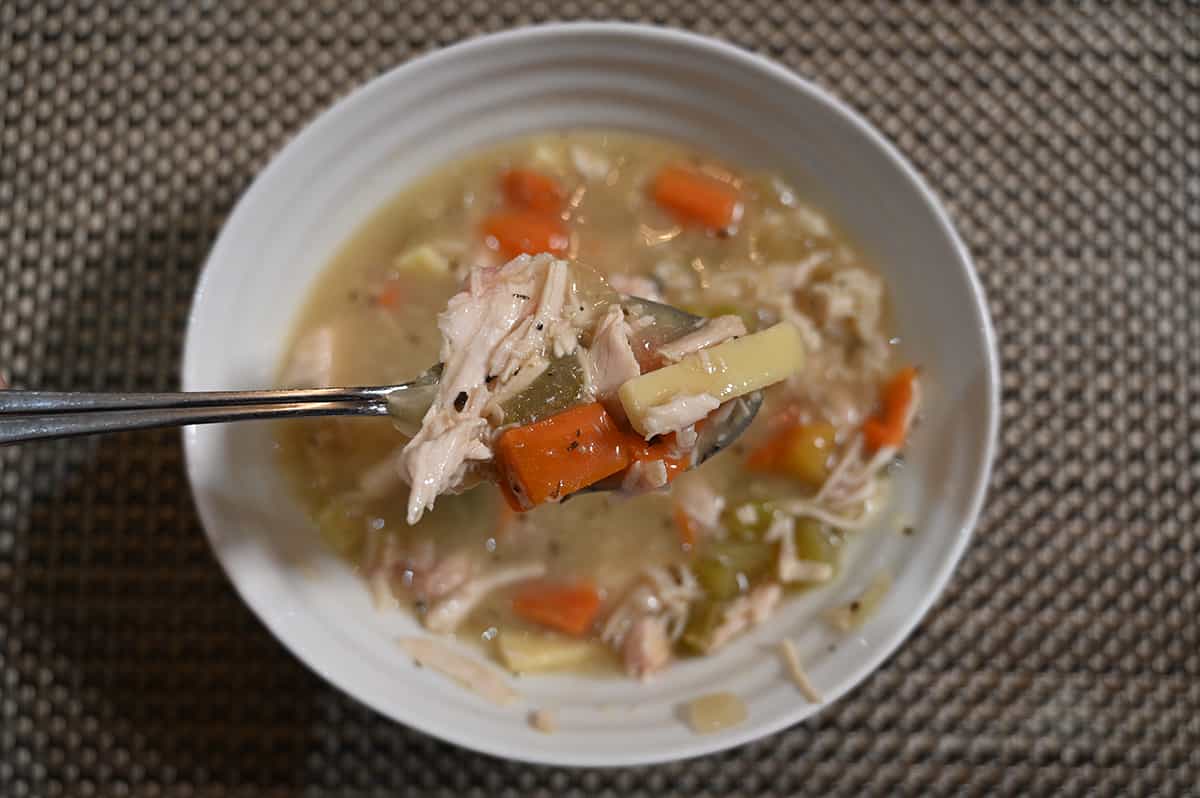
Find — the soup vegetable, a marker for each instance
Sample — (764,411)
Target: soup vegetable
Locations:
(699,556)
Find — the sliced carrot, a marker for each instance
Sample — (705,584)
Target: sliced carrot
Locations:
(877,434)
(888,427)
(566,608)
(696,197)
(513,232)
(686,526)
(552,458)
(528,188)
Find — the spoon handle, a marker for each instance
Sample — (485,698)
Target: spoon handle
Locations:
(23,402)
(33,415)
(41,425)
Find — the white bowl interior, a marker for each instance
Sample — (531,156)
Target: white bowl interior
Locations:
(364,150)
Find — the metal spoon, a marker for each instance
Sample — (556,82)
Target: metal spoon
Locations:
(36,415)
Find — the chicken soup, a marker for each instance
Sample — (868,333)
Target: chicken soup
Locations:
(519,269)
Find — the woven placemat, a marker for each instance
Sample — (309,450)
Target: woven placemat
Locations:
(1065,656)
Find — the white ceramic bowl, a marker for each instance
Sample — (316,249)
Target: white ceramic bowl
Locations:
(364,150)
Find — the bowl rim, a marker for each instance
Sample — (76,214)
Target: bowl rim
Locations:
(647,34)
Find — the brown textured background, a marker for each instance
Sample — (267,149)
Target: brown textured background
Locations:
(1065,656)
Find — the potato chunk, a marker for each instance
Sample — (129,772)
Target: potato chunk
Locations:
(529,654)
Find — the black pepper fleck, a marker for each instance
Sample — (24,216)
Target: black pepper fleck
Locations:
(460,401)
(908,530)
(522,296)
(723,233)
(540,326)
(854,606)
(490,378)
(573,445)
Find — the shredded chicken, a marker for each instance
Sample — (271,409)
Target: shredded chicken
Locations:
(636,285)
(466,670)
(686,437)
(444,577)
(790,567)
(809,508)
(811,222)
(549,328)
(715,331)
(852,491)
(746,612)
(386,557)
(447,614)
(516,316)
(381,557)
(638,602)
(646,648)
(665,592)
(851,295)
(612,357)
(676,589)
(791,659)
(644,476)
(852,300)
(436,460)
(696,497)
(682,410)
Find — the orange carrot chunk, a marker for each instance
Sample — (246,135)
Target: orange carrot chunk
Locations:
(516,232)
(888,427)
(696,197)
(552,458)
(528,188)
(565,608)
